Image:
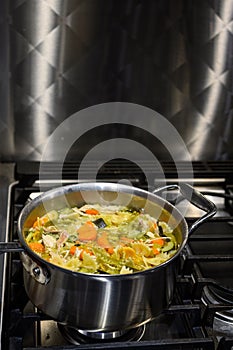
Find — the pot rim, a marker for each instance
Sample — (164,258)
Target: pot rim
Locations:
(100,186)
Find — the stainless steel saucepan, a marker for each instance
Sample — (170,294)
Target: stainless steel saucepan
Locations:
(104,303)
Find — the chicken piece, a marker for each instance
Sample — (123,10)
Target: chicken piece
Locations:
(62,239)
(49,241)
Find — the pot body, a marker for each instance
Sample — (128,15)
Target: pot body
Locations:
(100,302)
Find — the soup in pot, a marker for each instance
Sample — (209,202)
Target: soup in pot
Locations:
(101,239)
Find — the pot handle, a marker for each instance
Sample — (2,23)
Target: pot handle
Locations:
(10,247)
(38,272)
(196,198)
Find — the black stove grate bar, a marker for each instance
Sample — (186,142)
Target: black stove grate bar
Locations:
(208,258)
(191,259)
(224,343)
(163,344)
(208,169)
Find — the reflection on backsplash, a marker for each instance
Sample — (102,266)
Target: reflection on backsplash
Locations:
(66,56)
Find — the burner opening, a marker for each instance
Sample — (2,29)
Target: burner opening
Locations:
(223,320)
(76,336)
(221,295)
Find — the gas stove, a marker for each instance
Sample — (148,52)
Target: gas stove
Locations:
(201,314)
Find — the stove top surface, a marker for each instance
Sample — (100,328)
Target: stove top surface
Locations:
(200,315)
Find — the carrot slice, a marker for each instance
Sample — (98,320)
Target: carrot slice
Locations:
(103,240)
(87,232)
(158,241)
(155,251)
(82,250)
(73,249)
(110,250)
(37,247)
(92,211)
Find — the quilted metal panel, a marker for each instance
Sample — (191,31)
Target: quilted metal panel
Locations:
(172,56)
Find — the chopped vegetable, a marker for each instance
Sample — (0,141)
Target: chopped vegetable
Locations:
(73,249)
(155,251)
(160,230)
(92,211)
(100,223)
(102,239)
(168,246)
(158,241)
(87,232)
(110,250)
(37,247)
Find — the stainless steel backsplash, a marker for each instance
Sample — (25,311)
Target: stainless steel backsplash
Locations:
(60,56)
